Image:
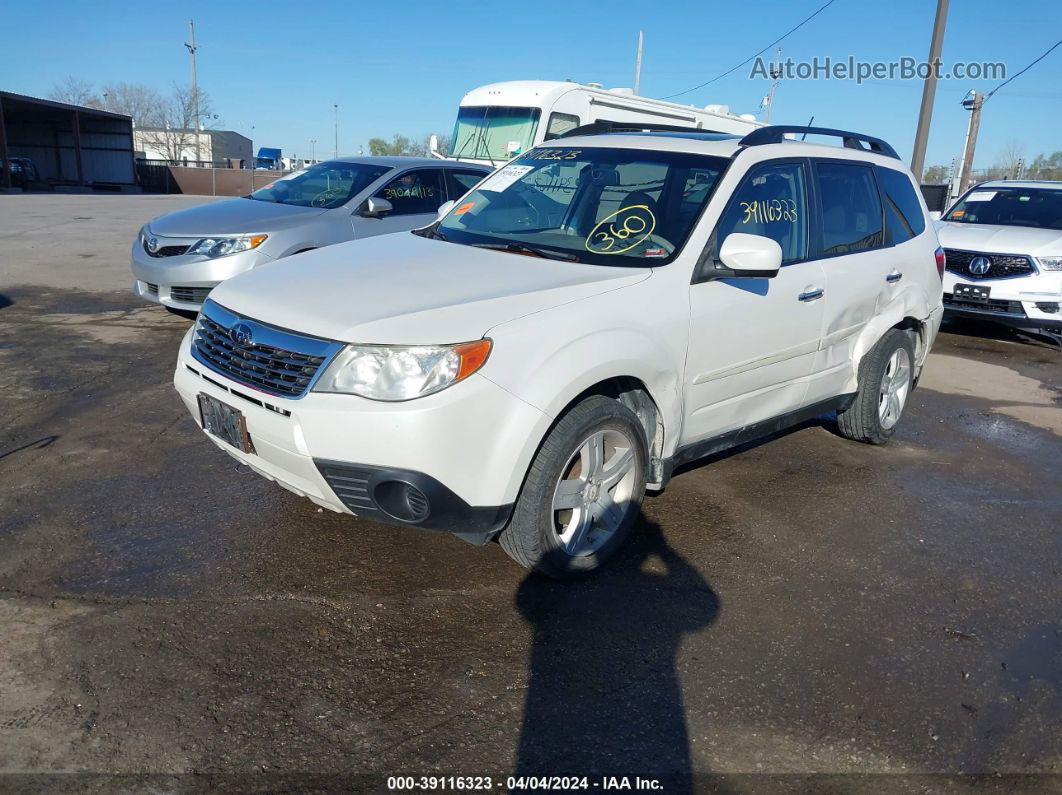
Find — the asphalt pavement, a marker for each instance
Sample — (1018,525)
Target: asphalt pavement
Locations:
(806,605)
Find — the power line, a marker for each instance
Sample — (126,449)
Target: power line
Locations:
(1023,71)
(761,52)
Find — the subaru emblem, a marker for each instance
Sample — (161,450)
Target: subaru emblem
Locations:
(153,244)
(979,266)
(240,334)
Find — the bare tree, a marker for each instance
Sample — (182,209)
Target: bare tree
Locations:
(1007,163)
(174,134)
(75,91)
(144,103)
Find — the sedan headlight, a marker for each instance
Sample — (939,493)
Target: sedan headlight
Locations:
(1050,263)
(221,246)
(145,233)
(396,372)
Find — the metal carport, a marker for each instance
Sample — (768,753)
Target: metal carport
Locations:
(70,145)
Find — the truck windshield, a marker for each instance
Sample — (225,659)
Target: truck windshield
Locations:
(325,185)
(493,133)
(604,206)
(1036,207)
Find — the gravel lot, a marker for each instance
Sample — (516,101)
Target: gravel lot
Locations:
(807,605)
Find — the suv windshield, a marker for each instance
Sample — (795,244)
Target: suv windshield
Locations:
(325,185)
(606,206)
(1040,208)
(493,133)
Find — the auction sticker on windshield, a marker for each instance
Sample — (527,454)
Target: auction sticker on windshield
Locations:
(502,179)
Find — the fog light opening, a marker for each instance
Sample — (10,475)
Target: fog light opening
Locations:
(1050,307)
(402,501)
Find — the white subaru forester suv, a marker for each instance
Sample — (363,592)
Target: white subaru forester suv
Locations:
(601,310)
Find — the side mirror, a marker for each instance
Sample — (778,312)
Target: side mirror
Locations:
(751,255)
(446,207)
(375,207)
(935,215)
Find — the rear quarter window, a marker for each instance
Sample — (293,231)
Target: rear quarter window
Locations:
(904,218)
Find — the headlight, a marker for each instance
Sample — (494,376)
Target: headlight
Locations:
(1050,263)
(221,246)
(145,233)
(397,372)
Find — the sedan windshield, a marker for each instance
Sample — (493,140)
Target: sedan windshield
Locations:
(605,206)
(325,185)
(1039,208)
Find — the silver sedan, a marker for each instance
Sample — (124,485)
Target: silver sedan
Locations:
(179,257)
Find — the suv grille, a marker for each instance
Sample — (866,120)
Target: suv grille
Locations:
(268,361)
(1003,266)
(191,295)
(166,251)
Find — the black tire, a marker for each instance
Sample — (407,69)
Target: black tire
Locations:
(861,421)
(531,537)
(187,314)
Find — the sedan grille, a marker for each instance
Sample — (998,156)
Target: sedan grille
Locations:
(166,251)
(1001,266)
(277,362)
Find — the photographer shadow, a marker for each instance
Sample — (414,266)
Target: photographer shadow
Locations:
(603,696)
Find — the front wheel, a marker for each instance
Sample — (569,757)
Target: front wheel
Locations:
(886,378)
(582,493)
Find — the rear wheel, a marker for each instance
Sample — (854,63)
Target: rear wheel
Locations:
(582,493)
(886,378)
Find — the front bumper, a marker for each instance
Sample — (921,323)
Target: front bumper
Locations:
(183,282)
(1021,302)
(465,449)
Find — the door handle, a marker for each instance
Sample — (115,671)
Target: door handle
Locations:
(811,295)
(894,277)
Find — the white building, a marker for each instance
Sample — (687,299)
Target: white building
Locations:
(187,147)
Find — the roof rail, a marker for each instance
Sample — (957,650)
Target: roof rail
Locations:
(601,127)
(775,134)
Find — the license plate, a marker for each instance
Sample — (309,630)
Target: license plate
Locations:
(971,292)
(225,422)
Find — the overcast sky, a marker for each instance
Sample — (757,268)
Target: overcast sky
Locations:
(403,67)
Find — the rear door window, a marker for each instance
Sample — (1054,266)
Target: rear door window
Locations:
(414,192)
(850,207)
(461,182)
(904,218)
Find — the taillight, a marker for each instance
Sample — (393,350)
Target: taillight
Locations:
(941,262)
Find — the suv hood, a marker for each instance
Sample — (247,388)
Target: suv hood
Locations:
(232,217)
(994,239)
(402,289)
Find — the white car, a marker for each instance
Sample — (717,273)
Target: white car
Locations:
(1003,244)
(598,312)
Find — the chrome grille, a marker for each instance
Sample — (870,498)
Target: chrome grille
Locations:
(191,295)
(274,361)
(1003,266)
(166,251)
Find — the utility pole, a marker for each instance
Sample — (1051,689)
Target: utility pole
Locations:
(195,87)
(776,75)
(972,103)
(929,91)
(638,63)
(313,148)
(336,151)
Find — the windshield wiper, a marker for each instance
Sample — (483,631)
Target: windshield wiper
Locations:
(520,248)
(430,231)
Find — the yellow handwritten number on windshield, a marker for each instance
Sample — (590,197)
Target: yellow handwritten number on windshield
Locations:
(622,230)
